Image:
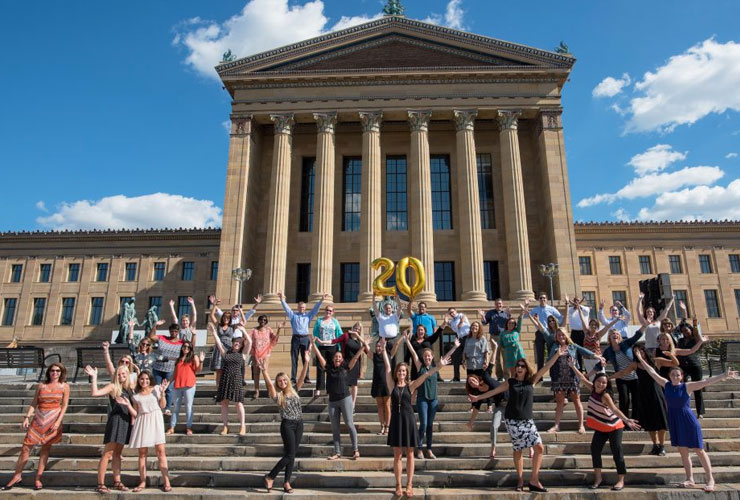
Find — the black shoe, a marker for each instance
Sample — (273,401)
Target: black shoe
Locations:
(307,381)
(661,451)
(537,489)
(293,382)
(456,380)
(655,450)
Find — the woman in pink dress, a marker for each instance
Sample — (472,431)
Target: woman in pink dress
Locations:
(263,340)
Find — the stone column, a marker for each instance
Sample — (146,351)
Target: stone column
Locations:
(420,199)
(371,210)
(471,238)
(278,200)
(322,242)
(231,249)
(560,239)
(517,242)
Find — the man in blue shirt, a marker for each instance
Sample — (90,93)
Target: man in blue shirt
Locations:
(299,321)
(426,320)
(496,319)
(543,310)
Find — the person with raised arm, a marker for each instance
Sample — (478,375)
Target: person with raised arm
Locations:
(551,329)
(291,418)
(186,367)
(299,321)
(127,360)
(496,319)
(618,312)
(350,342)
(421,340)
(378,389)
(689,361)
(619,353)
(402,434)
(592,334)
(652,323)
(186,321)
(118,427)
(230,387)
(225,329)
(263,340)
(509,341)
(167,351)
(608,423)
(544,310)
(388,322)
(685,428)
(459,324)
(340,400)
(477,356)
(519,418)
(325,330)
(238,316)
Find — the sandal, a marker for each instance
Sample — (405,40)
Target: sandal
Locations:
(356,455)
(336,456)
(268,485)
(708,488)
(399,491)
(118,485)
(138,488)
(189,432)
(38,485)
(102,489)
(686,484)
(166,489)
(287,489)
(409,491)
(10,486)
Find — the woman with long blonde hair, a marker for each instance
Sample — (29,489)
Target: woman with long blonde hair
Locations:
(118,428)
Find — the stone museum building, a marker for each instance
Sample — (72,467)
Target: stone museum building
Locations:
(389,139)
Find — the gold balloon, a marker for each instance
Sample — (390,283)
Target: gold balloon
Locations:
(387,266)
(420,275)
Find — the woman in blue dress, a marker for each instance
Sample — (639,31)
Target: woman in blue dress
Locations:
(682,423)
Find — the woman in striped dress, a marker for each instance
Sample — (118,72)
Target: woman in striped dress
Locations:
(47,409)
(608,422)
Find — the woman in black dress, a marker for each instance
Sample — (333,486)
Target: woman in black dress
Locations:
(225,331)
(379,390)
(118,427)
(230,385)
(402,435)
(688,345)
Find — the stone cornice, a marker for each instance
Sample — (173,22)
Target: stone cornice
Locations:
(111,235)
(414,79)
(725,226)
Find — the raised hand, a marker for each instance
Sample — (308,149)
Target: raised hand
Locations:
(535,316)
(165,383)
(258,299)
(172,302)
(280,295)
(682,305)
(202,356)
(91,371)
(190,300)
(282,324)
(445,360)
(324,296)
(211,300)
(481,313)
(731,373)
(123,401)
(602,303)
(457,342)
(382,342)
(105,346)
(641,296)
(619,304)
(160,322)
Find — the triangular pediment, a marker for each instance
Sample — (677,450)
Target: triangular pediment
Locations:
(394,44)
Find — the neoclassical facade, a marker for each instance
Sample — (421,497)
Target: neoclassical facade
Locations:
(396,138)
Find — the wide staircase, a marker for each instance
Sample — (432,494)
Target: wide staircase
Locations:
(208,465)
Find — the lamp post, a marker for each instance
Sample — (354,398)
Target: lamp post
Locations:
(241,275)
(549,271)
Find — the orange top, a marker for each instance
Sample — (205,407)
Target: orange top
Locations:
(184,374)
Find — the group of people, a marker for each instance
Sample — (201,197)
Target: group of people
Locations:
(650,377)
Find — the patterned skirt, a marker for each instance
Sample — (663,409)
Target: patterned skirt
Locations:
(523,433)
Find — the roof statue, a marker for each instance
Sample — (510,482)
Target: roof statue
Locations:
(393,8)
(228,57)
(562,48)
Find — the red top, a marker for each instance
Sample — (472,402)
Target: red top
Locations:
(184,374)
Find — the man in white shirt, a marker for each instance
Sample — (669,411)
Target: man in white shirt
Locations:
(543,310)
(388,324)
(461,326)
(617,311)
(577,334)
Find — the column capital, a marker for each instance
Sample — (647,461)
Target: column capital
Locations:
(550,119)
(419,120)
(283,123)
(465,118)
(326,122)
(371,120)
(241,124)
(508,119)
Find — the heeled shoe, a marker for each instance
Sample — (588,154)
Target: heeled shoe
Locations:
(537,489)
(10,486)
(224,431)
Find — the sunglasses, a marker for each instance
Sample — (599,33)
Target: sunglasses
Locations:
(521,366)
(56,370)
(146,343)
(125,361)
(330,310)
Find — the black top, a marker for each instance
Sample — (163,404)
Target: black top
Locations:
(496,321)
(426,342)
(521,395)
(691,359)
(336,382)
(663,371)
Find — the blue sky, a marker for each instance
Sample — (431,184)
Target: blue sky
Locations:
(111,116)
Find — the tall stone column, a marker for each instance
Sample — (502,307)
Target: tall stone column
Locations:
(231,249)
(517,242)
(421,229)
(322,243)
(278,199)
(371,210)
(471,238)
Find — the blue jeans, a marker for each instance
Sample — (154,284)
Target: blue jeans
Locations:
(427,410)
(159,376)
(188,393)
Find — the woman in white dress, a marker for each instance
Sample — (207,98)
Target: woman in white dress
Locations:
(148,430)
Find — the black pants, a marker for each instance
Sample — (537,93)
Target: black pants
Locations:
(457,358)
(615,443)
(539,349)
(577,336)
(291,431)
(328,353)
(695,373)
(298,347)
(627,392)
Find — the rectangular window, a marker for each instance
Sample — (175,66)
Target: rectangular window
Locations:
(589,298)
(183,306)
(351,193)
(646,266)
(68,311)
(675,262)
(350,285)
(130,271)
(308,174)
(584,265)
(9,311)
(214,270)
(102,274)
(705,264)
(615,264)
(441,200)
(490,279)
(737,301)
(45,273)
(96,310)
(156,302)
(39,304)
(619,296)
(681,296)
(123,302)
(710,297)
(395,193)
(303,282)
(188,270)
(16,273)
(159,270)
(485,191)
(73,272)
(734,263)
(444,281)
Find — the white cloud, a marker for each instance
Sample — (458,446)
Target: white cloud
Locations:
(731,155)
(610,86)
(622,215)
(655,159)
(158,210)
(698,203)
(653,184)
(705,79)
(41,206)
(452,18)
(347,22)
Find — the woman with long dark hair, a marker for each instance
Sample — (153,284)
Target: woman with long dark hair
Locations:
(477,355)
(225,332)
(47,410)
(651,321)
(619,352)
(688,345)
(186,367)
(510,342)
(230,386)
(325,330)
(350,342)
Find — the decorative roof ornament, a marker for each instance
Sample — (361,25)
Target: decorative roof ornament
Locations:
(228,57)
(562,48)
(393,8)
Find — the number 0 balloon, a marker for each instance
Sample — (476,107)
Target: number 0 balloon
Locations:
(420,276)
